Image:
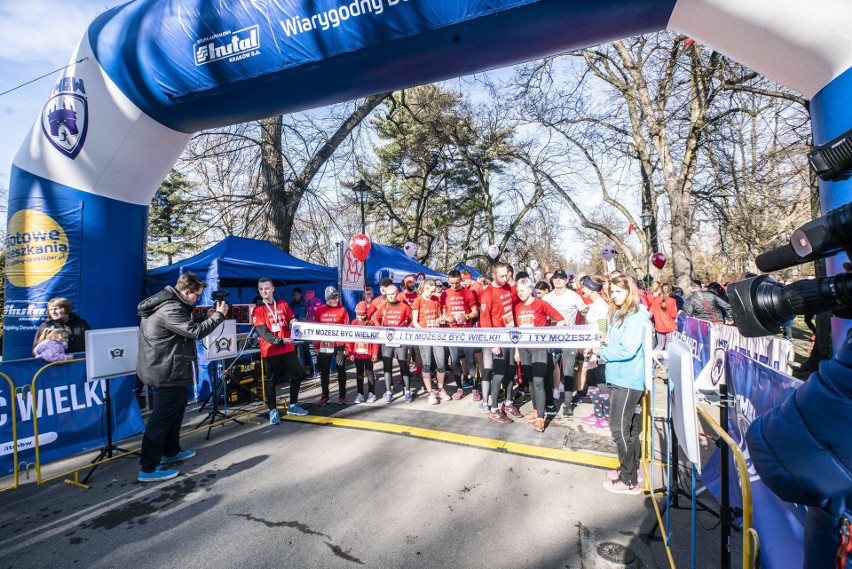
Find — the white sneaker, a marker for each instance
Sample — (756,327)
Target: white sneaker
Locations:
(359,399)
(371,398)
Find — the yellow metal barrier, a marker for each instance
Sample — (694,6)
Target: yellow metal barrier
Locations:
(750,550)
(14,415)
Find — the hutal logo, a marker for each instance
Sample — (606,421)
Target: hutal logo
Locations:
(65,117)
(232,46)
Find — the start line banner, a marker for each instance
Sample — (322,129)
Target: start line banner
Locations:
(584,336)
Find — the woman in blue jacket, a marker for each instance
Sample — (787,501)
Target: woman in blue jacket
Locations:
(624,356)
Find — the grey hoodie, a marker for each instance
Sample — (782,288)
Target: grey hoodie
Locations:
(167,334)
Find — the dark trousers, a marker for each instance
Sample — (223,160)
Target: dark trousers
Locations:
(280,366)
(626,427)
(534,365)
(504,375)
(363,365)
(162,432)
(324,364)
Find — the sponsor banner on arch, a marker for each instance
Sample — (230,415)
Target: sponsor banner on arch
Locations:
(43,260)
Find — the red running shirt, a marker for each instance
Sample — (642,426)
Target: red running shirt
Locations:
(458,302)
(496,307)
(276,317)
(326,314)
(538,314)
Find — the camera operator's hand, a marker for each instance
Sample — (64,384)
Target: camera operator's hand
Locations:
(222,307)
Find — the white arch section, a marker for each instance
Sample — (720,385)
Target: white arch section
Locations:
(156,71)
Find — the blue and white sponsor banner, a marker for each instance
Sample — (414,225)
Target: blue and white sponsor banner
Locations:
(585,336)
(756,388)
(43,251)
(70,411)
(697,334)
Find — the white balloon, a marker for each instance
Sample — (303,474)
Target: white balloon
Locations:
(534,264)
(538,276)
(608,252)
(493,251)
(410,248)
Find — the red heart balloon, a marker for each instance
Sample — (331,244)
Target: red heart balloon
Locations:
(359,244)
(658,260)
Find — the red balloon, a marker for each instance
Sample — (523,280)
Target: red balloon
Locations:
(688,41)
(658,260)
(359,244)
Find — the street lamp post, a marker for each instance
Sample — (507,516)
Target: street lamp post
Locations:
(360,188)
(647,217)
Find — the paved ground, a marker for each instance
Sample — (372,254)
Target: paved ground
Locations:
(309,495)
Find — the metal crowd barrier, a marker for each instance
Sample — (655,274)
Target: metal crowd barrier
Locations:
(14,442)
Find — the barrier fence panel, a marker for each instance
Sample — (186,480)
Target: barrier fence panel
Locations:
(12,419)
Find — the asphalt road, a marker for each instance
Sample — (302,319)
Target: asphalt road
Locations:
(307,495)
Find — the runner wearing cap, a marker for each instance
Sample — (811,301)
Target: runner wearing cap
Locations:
(569,304)
(364,355)
(332,313)
(394,313)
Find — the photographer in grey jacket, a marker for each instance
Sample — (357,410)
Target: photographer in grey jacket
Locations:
(167,362)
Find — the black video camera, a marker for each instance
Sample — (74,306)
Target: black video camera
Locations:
(219,295)
(762,306)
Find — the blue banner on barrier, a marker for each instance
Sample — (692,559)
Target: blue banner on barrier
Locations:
(71,412)
(755,389)
(697,335)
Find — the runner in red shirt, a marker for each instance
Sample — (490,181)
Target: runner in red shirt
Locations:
(468,375)
(460,308)
(364,355)
(408,295)
(397,314)
(496,310)
(272,319)
(529,312)
(426,313)
(332,313)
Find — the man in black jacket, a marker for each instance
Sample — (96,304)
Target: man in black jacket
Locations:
(705,305)
(167,361)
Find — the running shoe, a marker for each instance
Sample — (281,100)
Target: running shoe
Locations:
(567,410)
(533,415)
(433,400)
(323,401)
(601,424)
(444,395)
(476,395)
(359,399)
(619,487)
(371,398)
(160,473)
(342,400)
(550,410)
(614,475)
(388,396)
(274,418)
(483,407)
(296,409)
(458,394)
(590,420)
(538,425)
(510,409)
(577,399)
(499,417)
(182,455)
(466,384)
(409,396)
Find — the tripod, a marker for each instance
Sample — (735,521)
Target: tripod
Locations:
(218,390)
(111,447)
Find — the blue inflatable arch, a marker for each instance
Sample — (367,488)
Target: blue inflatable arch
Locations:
(152,72)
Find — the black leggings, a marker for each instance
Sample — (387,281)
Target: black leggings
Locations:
(324,363)
(362,365)
(504,375)
(534,365)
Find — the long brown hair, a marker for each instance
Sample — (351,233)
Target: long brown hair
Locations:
(631,303)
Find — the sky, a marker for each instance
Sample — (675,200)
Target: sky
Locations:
(40,36)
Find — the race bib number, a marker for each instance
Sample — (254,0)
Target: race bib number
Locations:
(326,347)
(508,322)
